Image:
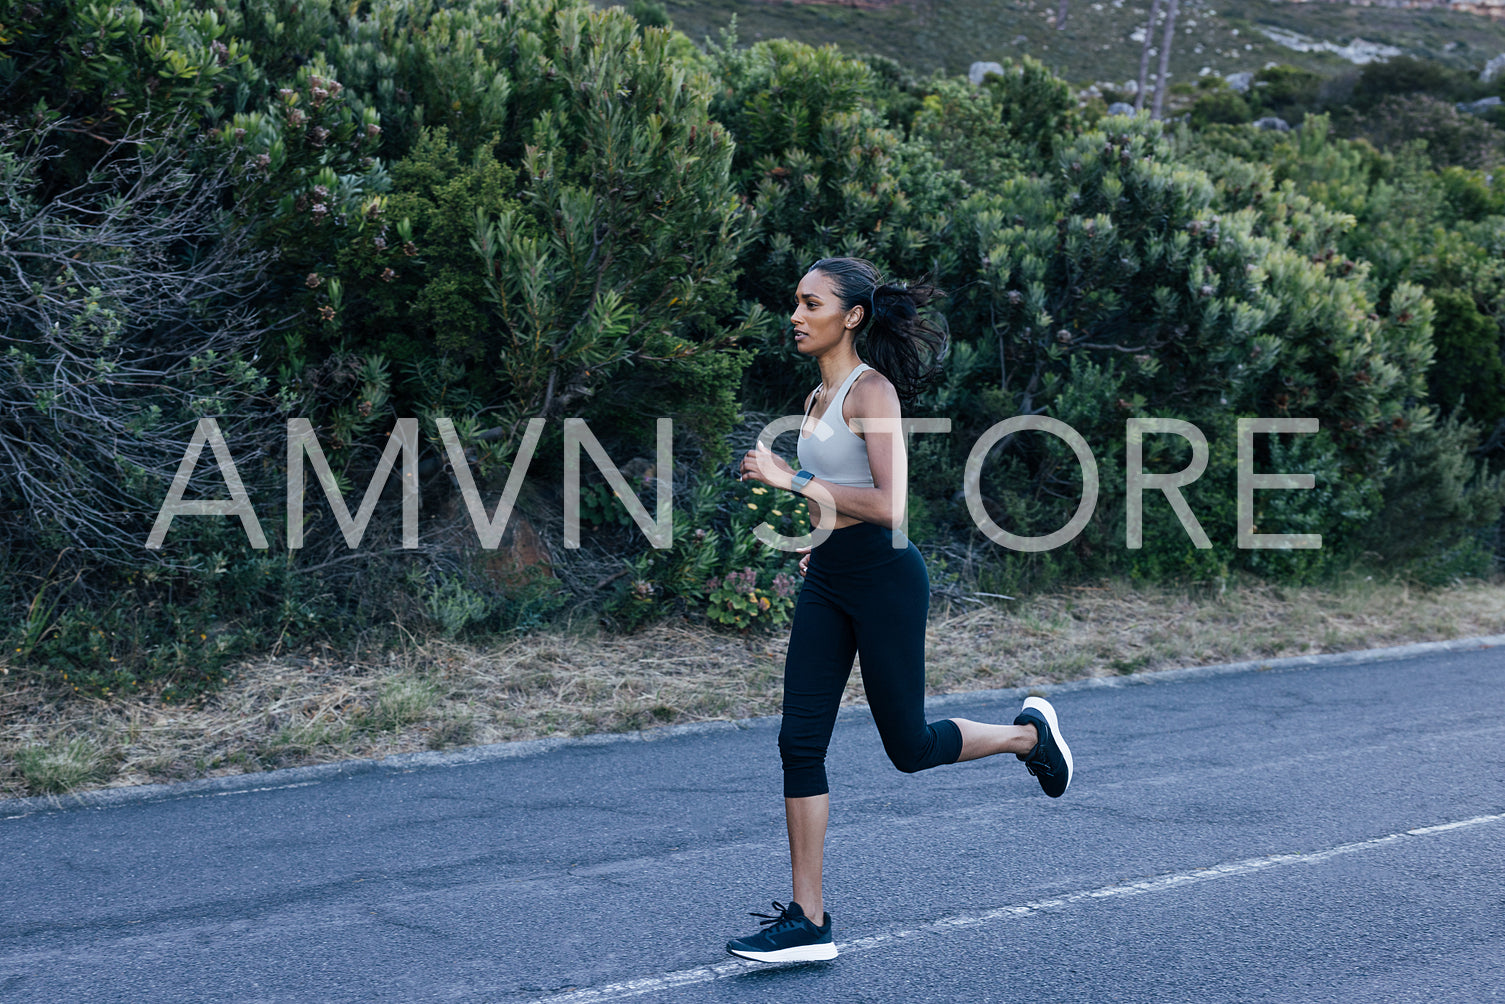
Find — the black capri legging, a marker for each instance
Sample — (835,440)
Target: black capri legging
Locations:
(861,595)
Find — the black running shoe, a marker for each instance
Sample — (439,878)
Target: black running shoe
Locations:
(1050,760)
(788,937)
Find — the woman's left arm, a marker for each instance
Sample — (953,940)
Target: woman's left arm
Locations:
(875,410)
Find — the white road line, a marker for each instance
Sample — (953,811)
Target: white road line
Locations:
(705,974)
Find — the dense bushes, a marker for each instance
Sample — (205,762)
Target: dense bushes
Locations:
(1125,272)
(499,212)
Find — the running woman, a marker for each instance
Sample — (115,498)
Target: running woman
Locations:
(861,594)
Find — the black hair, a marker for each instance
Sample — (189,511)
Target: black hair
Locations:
(902,345)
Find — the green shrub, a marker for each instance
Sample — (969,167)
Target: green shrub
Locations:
(1438,501)
(1038,107)
(1011,123)
(1471,195)
(1286,91)
(1468,365)
(737,600)
(966,128)
(715,560)
(455,606)
(1120,287)
(414,281)
(1452,138)
(649,14)
(824,176)
(1220,106)
(1407,75)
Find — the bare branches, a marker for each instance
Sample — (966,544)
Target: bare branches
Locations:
(141,226)
(125,315)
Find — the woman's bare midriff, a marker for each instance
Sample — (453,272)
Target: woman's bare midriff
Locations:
(841,518)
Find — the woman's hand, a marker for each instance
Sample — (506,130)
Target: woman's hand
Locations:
(762,464)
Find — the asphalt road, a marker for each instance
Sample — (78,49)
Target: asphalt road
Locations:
(1324,834)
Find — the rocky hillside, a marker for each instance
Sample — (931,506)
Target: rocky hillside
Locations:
(1099,40)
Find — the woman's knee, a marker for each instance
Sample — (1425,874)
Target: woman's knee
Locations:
(922,750)
(799,751)
(804,765)
(908,760)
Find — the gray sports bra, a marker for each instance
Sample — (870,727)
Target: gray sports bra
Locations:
(833,452)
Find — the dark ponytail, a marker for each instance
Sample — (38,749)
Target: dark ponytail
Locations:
(902,345)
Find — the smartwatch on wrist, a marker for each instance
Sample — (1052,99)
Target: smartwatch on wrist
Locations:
(800,480)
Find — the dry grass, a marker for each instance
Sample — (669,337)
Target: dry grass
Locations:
(316,706)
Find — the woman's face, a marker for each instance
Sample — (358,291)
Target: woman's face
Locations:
(819,321)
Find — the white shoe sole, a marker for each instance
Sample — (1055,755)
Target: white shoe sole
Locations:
(1043,706)
(801,953)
